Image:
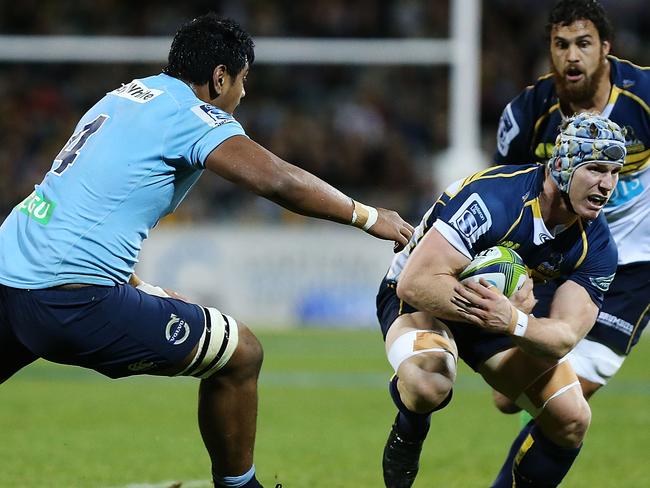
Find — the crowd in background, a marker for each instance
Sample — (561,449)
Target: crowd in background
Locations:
(372,131)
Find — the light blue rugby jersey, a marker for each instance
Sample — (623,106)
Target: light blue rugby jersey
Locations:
(131,160)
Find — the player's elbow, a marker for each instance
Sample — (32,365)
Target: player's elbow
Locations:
(561,346)
(407,290)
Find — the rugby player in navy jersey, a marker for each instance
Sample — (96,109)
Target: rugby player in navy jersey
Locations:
(585,77)
(67,252)
(551,215)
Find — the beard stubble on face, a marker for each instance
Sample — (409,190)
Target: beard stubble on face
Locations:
(583,91)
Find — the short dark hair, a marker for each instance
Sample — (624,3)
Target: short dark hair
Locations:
(566,12)
(204,43)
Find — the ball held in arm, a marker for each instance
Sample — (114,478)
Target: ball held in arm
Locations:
(499,266)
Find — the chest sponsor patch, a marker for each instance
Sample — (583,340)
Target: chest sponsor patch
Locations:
(37,207)
(472,219)
(136,91)
(211,115)
(508,130)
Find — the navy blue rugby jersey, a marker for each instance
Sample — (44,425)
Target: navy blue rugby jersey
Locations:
(530,124)
(500,206)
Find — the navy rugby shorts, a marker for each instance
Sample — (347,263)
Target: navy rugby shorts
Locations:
(474,345)
(116,330)
(625,311)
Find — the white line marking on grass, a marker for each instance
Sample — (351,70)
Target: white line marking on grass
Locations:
(167,484)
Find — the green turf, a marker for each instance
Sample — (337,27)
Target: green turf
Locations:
(324,416)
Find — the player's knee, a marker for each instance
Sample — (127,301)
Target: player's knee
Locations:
(570,422)
(575,425)
(425,391)
(246,361)
(503,403)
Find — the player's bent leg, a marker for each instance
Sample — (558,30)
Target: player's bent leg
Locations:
(228,413)
(503,403)
(423,355)
(545,448)
(228,358)
(13,355)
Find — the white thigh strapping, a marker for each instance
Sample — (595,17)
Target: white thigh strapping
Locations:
(216,346)
(412,343)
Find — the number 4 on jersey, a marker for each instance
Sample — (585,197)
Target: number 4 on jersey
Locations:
(74,145)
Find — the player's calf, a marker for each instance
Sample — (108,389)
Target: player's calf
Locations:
(228,412)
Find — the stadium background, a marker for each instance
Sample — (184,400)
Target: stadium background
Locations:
(376,131)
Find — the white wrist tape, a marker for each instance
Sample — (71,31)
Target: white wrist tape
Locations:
(521,325)
(364,216)
(152,290)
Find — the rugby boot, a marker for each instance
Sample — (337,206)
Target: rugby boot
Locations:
(401,460)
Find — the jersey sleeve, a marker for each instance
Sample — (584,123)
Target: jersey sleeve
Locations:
(515,130)
(598,269)
(471,219)
(197,131)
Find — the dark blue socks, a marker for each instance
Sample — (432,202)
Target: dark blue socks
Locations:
(411,426)
(535,462)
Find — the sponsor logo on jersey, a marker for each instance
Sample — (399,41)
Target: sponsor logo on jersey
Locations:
(510,245)
(602,283)
(136,91)
(508,130)
(615,322)
(37,208)
(472,219)
(141,365)
(628,188)
(177,330)
(212,115)
(628,83)
(551,268)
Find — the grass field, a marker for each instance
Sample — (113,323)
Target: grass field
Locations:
(324,416)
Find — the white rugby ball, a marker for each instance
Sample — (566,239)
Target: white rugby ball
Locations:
(499,266)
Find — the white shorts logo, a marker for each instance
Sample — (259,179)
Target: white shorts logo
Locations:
(508,130)
(177,330)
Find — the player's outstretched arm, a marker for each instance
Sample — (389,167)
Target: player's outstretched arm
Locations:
(246,163)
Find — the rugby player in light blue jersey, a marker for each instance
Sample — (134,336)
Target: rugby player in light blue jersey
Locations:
(584,78)
(67,252)
(551,215)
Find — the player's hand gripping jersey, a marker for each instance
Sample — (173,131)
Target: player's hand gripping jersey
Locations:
(530,123)
(500,206)
(131,160)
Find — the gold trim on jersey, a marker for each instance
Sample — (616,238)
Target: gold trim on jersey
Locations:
(634,97)
(636,162)
(585,244)
(636,326)
(482,176)
(628,62)
(529,203)
(542,118)
(614,94)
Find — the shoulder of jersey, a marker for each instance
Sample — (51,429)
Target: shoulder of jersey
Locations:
(501,183)
(632,77)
